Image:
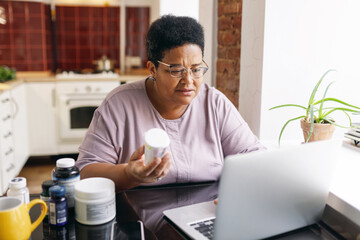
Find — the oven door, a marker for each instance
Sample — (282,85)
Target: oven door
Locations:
(75,114)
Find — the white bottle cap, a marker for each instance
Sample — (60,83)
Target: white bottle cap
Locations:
(157,138)
(17,183)
(94,188)
(65,163)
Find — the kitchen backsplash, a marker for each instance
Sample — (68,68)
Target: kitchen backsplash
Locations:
(31,41)
(25,40)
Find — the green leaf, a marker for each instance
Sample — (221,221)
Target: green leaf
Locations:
(311,121)
(335,124)
(341,109)
(288,105)
(336,100)
(322,101)
(312,96)
(283,128)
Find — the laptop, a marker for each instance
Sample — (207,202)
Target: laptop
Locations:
(263,194)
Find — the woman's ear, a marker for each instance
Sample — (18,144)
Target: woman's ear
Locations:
(151,67)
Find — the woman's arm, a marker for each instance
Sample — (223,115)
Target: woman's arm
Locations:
(131,174)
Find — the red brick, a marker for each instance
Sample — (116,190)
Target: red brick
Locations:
(231,8)
(237,22)
(220,10)
(228,82)
(224,24)
(228,37)
(233,52)
(225,67)
(229,48)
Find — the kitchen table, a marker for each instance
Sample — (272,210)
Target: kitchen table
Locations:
(147,205)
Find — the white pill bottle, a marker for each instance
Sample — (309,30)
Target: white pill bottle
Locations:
(156,143)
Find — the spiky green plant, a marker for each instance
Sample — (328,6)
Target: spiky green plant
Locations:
(315,112)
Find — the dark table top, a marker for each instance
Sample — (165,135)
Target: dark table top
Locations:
(147,205)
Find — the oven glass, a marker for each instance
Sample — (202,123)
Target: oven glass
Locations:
(80,117)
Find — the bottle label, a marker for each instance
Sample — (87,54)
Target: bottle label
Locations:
(58,213)
(46,200)
(94,212)
(69,184)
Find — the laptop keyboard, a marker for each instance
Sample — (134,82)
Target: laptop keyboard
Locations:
(205,227)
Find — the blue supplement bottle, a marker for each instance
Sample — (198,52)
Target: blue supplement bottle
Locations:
(45,195)
(58,206)
(67,174)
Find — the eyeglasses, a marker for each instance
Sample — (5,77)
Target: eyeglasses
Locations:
(180,71)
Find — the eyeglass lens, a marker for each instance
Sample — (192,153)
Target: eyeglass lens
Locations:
(196,72)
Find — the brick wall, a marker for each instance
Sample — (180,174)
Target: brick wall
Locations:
(228,59)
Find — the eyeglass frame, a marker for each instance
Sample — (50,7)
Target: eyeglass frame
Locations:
(186,69)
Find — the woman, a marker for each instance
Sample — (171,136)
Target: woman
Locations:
(201,122)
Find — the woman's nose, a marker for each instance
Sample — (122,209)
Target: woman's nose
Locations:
(187,78)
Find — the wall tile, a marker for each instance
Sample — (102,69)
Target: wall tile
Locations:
(97,13)
(84,12)
(18,8)
(5,55)
(35,23)
(34,8)
(19,23)
(4,37)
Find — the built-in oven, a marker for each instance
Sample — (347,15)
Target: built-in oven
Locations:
(77,99)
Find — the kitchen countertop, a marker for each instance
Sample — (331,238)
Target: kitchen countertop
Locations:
(47,76)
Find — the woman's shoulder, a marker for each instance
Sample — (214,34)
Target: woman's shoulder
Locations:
(211,94)
(130,90)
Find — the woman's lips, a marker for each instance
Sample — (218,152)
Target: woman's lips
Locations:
(185,92)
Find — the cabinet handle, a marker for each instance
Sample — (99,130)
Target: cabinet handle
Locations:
(53,97)
(7,135)
(16,107)
(9,152)
(12,166)
(6,118)
(5,100)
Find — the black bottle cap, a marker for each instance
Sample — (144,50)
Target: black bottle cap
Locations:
(46,185)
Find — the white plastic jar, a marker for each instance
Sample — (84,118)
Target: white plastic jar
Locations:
(18,189)
(95,201)
(156,143)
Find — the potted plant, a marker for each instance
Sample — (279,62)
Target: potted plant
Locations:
(6,74)
(316,121)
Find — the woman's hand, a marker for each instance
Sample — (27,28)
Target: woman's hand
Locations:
(152,172)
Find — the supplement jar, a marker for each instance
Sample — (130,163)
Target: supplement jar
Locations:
(18,189)
(45,195)
(156,142)
(66,174)
(58,213)
(95,201)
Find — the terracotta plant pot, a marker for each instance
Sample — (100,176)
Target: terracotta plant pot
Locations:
(322,131)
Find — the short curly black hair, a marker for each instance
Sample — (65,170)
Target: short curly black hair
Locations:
(169,32)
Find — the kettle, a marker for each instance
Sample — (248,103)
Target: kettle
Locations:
(104,64)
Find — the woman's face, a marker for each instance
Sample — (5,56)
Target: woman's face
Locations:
(177,91)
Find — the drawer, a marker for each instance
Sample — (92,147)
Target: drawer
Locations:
(5,128)
(6,134)
(7,170)
(5,105)
(6,151)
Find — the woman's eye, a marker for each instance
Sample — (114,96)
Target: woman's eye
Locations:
(195,70)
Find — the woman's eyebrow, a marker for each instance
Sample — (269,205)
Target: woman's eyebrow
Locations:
(179,65)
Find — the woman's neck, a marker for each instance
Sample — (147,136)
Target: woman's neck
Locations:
(165,109)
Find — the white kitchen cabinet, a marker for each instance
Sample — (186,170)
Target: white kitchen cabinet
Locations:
(20,126)
(42,118)
(7,160)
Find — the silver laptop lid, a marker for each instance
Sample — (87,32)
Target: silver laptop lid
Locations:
(266,193)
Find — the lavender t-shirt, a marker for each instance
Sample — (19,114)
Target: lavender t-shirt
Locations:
(209,130)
